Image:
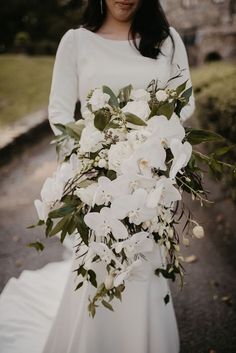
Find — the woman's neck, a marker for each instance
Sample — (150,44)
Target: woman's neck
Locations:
(114,29)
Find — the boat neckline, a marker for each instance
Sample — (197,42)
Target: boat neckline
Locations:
(107,39)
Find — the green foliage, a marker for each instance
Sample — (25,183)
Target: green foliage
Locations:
(215,90)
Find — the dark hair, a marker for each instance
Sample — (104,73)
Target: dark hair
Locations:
(149,22)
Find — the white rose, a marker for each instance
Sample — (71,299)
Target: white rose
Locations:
(140,109)
(161,95)
(86,195)
(198,232)
(140,95)
(91,139)
(98,99)
(117,154)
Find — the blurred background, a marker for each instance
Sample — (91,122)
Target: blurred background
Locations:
(29,36)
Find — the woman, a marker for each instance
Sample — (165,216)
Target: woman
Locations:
(119,43)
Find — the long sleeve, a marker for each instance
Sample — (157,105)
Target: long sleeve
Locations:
(63,93)
(180,61)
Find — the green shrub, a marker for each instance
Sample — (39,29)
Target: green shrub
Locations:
(215,91)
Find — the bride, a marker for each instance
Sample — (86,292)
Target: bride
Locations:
(119,43)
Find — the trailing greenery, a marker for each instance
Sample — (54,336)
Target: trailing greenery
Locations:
(215,89)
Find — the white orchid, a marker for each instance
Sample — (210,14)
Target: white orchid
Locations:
(105,222)
(182,153)
(91,139)
(87,194)
(166,129)
(99,99)
(108,189)
(133,206)
(137,243)
(150,154)
(164,193)
(103,251)
(137,137)
(51,192)
(129,272)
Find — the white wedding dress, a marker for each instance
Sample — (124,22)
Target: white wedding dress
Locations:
(40,312)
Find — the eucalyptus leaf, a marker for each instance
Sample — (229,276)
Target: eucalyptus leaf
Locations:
(60,127)
(113,99)
(134,119)
(101,120)
(166,109)
(74,130)
(124,93)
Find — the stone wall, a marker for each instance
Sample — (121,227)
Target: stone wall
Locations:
(208,27)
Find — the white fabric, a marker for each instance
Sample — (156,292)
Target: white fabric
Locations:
(40,312)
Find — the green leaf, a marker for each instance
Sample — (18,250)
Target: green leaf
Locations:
(74,130)
(79,285)
(223,150)
(131,118)
(124,93)
(59,226)
(196,136)
(112,125)
(113,99)
(62,211)
(111,174)
(60,127)
(166,109)
(49,225)
(107,305)
(187,94)
(101,120)
(92,277)
(92,309)
(40,222)
(167,299)
(181,88)
(81,227)
(37,245)
(71,199)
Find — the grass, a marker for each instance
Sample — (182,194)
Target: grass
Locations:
(24,85)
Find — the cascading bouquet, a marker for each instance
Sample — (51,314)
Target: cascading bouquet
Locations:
(121,174)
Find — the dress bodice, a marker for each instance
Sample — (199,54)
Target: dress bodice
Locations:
(86,60)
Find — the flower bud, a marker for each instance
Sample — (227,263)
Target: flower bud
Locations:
(198,232)
(102,163)
(109,282)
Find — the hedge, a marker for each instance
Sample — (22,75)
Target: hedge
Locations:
(215,91)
